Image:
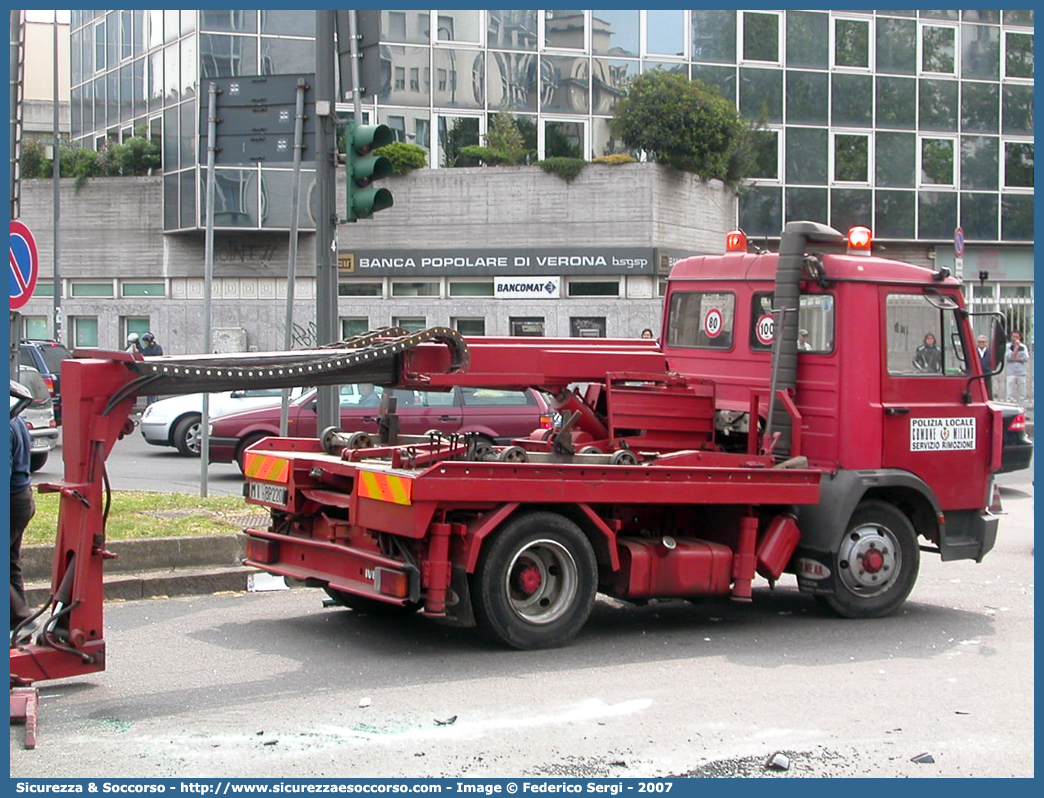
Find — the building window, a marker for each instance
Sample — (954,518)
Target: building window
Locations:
(765,163)
(527,326)
(701,319)
(133,324)
(43,288)
(35,327)
(400,78)
(354,288)
(665,32)
(415,288)
(936,162)
(470,326)
(760,37)
(91,289)
(143,289)
(410,323)
(938,49)
(471,288)
(852,43)
(352,327)
(85,332)
(587,327)
(614,32)
(851,158)
(578,287)
(1018,164)
(1018,55)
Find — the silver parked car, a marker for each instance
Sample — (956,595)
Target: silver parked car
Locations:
(39,416)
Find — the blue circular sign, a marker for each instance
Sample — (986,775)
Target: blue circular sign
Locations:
(958,241)
(25,264)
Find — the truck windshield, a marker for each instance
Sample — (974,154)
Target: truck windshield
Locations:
(923,339)
(701,319)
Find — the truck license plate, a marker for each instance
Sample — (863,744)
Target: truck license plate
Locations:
(269,494)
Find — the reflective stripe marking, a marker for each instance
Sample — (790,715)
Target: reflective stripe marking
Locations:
(385,487)
(272,469)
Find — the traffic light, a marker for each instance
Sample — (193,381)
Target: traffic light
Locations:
(364,167)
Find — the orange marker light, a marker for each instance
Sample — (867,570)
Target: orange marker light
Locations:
(736,241)
(859,241)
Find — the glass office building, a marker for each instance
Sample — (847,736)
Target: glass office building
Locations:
(912,122)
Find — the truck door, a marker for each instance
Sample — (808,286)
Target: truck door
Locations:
(928,428)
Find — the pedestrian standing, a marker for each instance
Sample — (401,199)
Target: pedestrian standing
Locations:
(986,359)
(1016,355)
(149,348)
(23,508)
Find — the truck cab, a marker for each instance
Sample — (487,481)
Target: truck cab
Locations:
(886,383)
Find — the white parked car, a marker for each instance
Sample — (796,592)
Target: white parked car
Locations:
(39,416)
(176,421)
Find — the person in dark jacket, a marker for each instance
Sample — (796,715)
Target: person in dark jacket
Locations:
(983,348)
(23,508)
(928,356)
(149,348)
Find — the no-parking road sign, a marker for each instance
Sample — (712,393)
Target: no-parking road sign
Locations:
(25,265)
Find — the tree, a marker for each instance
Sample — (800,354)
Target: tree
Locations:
(505,143)
(685,124)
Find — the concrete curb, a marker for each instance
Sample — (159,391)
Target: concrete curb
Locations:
(153,568)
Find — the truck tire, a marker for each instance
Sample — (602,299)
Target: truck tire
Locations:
(186,435)
(535,582)
(369,605)
(37,460)
(875,564)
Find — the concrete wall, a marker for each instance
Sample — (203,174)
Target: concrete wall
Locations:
(112,231)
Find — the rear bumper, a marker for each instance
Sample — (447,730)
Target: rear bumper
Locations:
(43,440)
(968,535)
(1016,457)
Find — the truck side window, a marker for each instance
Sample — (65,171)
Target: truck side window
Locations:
(921,339)
(815,321)
(701,319)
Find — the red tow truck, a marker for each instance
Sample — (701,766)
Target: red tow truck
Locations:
(787,421)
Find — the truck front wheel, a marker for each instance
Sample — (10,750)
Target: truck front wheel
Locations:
(535,582)
(876,562)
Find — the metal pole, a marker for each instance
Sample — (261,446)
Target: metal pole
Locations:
(55,185)
(15,77)
(208,279)
(353,33)
(291,266)
(327,408)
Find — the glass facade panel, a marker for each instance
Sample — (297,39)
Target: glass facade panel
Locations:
(980,107)
(766,155)
(937,162)
(1018,55)
(761,94)
(850,207)
(938,105)
(936,215)
(979,216)
(408,125)
(236,20)
(112,100)
(897,46)
(805,93)
(852,100)
(980,51)
(456,132)
(564,29)
(287,23)
(470,288)
(286,56)
(1018,110)
(851,159)
(714,36)
(171,74)
(171,148)
(665,32)
(981,16)
(140,103)
(722,78)
(980,162)
(808,39)
(396,63)
(227,56)
(806,203)
(564,84)
(512,30)
(1018,164)
(126,93)
(155,80)
(895,159)
(459,78)
(563,139)
(188,198)
(512,84)
(235,198)
(609,82)
(276,189)
(1018,18)
(938,49)
(852,43)
(896,103)
(603,140)
(761,211)
(894,214)
(155,28)
(760,36)
(614,32)
(410,27)
(1017,217)
(187,111)
(806,158)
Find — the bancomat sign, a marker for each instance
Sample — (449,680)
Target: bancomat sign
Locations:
(532,287)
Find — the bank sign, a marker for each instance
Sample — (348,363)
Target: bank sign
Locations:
(495,262)
(527,287)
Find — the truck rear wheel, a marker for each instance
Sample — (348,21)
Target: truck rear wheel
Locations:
(369,605)
(876,562)
(535,583)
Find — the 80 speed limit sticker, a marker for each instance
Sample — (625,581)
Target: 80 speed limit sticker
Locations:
(713,322)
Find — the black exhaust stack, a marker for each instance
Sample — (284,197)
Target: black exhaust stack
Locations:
(789,272)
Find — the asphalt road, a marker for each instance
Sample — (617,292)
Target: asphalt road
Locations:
(273,684)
